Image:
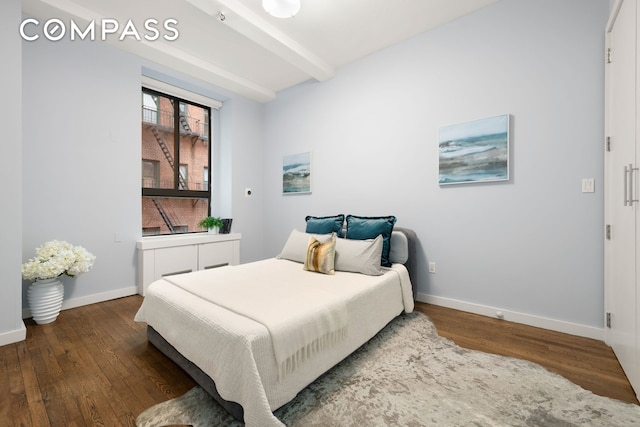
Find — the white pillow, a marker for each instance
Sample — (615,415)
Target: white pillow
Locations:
(295,249)
(359,256)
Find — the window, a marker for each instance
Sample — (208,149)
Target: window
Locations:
(184,177)
(175,139)
(149,108)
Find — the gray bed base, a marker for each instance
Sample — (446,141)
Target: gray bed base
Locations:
(234,408)
(194,372)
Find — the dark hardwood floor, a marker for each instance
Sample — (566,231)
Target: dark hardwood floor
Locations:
(93,365)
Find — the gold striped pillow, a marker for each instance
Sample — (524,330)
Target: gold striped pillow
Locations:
(321,255)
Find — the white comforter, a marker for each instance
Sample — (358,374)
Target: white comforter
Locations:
(237,352)
(297,330)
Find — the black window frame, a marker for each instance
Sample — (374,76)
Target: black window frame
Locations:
(176,192)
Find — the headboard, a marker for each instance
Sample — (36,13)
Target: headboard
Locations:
(410,263)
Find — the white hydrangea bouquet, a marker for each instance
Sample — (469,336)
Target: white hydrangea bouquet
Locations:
(56,258)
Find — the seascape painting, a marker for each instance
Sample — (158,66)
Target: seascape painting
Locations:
(296,173)
(476,151)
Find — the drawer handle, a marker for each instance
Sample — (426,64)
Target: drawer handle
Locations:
(177,272)
(207,267)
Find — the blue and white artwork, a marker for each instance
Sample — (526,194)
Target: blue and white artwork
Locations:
(296,173)
(476,151)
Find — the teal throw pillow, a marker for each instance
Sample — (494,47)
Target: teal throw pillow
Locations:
(325,224)
(369,227)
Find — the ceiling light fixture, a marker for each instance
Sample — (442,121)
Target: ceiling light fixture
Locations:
(281,8)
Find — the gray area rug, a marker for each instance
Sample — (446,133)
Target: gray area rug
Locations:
(410,376)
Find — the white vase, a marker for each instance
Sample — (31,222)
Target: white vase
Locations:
(214,230)
(45,300)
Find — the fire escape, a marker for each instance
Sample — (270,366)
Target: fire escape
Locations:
(187,129)
(167,154)
(151,120)
(169,218)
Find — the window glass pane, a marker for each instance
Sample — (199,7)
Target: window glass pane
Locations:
(184,177)
(149,108)
(158,137)
(168,215)
(194,147)
(150,173)
(194,120)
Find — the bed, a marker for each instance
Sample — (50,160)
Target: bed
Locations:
(253,363)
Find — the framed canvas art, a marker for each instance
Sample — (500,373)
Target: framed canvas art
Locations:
(296,173)
(475,151)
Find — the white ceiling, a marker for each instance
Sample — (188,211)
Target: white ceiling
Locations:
(250,52)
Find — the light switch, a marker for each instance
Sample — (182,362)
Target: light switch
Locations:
(588,185)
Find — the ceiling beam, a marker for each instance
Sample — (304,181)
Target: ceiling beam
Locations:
(212,73)
(166,53)
(257,29)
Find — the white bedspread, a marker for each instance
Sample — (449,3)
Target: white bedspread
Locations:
(302,317)
(237,352)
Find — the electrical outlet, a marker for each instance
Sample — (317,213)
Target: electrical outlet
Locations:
(432,267)
(588,185)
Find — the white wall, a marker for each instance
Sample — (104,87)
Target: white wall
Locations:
(531,246)
(12,328)
(81,180)
(82,158)
(246,130)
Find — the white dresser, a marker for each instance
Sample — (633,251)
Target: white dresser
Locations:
(160,256)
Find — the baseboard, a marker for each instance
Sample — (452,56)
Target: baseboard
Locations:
(513,316)
(90,299)
(13,336)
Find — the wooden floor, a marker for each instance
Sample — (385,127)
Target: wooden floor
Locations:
(93,365)
(589,363)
